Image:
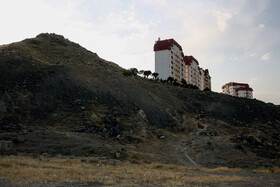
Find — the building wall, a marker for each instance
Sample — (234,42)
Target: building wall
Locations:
(169,63)
(250,94)
(162,64)
(203,79)
(245,93)
(177,64)
(193,74)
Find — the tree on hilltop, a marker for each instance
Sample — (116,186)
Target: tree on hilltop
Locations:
(155,75)
(134,71)
(147,73)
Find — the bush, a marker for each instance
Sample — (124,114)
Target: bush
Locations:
(147,73)
(207,89)
(134,71)
(155,75)
(127,73)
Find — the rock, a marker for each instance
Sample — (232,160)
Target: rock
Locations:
(3,107)
(162,137)
(5,145)
(54,114)
(117,155)
(144,133)
(142,116)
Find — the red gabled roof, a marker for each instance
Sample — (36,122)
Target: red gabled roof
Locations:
(166,44)
(188,60)
(242,88)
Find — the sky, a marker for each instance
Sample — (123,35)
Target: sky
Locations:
(236,40)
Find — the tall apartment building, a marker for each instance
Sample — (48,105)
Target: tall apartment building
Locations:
(171,62)
(238,90)
(205,79)
(196,75)
(169,59)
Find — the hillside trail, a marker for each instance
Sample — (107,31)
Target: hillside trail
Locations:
(186,160)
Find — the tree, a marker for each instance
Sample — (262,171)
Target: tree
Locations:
(155,75)
(134,71)
(207,89)
(141,72)
(147,73)
(170,79)
(184,82)
(127,73)
(176,83)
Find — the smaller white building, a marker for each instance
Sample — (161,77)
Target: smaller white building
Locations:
(238,90)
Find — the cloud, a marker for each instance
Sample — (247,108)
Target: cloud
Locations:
(161,2)
(222,19)
(253,81)
(252,54)
(261,26)
(266,56)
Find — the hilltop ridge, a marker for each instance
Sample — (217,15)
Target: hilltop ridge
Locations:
(56,97)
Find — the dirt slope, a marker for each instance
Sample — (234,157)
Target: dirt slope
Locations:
(59,98)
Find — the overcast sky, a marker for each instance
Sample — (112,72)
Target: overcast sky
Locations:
(237,40)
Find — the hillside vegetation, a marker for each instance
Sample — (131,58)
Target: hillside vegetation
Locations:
(57,98)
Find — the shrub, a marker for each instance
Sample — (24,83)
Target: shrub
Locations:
(127,73)
(147,73)
(134,71)
(155,75)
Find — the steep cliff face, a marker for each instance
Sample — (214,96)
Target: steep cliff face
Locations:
(59,98)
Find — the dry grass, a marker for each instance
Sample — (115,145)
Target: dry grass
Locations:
(222,169)
(24,170)
(267,170)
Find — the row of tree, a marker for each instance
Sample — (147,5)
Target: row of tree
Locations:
(170,80)
(145,73)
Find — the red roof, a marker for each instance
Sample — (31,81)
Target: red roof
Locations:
(188,60)
(243,85)
(242,88)
(165,44)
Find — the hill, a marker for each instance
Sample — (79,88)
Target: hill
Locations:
(57,98)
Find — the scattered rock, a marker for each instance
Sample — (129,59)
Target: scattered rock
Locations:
(117,155)
(3,107)
(161,137)
(5,145)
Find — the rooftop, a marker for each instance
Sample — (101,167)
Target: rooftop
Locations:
(166,44)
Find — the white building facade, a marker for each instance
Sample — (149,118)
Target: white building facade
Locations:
(169,60)
(238,90)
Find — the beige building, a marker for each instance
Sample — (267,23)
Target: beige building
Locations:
(196,75)
(205,79)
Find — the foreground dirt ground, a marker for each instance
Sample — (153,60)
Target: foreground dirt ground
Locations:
(93,171)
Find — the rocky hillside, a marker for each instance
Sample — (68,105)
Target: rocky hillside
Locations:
(57,98)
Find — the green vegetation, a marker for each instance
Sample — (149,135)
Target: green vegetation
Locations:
(130,72)
(127,73)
